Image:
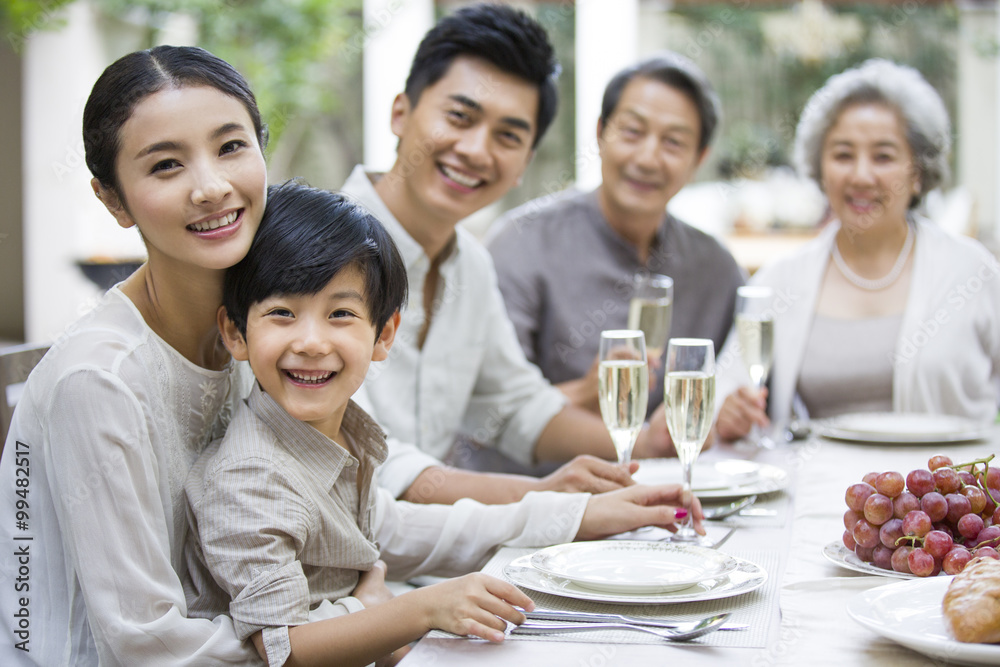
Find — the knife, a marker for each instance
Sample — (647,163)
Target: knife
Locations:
(590,617)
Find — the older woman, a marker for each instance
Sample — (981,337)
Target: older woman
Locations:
(883,311)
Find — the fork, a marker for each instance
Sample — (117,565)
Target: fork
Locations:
(723,539)
(592,617)
(710,624)
(718,544)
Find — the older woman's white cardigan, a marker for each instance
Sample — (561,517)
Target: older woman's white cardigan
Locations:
(947,357)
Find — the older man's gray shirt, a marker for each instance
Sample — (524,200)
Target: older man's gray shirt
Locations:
(566,275)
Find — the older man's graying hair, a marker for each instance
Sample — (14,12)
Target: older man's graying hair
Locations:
(678,72)
(877,81)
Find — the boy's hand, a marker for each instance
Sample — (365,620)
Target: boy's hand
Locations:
(476,604)
(634,507)
(588,474)
(371,588)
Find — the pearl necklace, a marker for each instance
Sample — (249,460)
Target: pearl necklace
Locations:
(884,281)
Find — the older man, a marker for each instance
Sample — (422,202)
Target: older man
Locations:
(566,263)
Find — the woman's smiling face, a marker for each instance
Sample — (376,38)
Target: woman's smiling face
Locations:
(867,167)
(191,176)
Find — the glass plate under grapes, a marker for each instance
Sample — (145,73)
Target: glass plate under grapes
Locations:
(840,555)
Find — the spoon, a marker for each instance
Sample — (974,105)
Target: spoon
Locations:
(706,625)
(718,513)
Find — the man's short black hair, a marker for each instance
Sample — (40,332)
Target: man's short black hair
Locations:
(679,73)
(506,37)
(306,237)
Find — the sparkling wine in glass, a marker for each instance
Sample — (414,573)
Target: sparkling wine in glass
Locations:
(623,387)
(650,310)
(689,396)
(755,330)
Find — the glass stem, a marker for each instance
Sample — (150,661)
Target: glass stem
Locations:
(756,435)
(626,456)
(686,528)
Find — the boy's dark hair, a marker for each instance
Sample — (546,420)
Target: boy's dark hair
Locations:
(503,36)
(132,78)
(306,237)
(679,73)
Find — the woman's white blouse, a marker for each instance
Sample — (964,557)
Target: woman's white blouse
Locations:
(101,441)
(946,358)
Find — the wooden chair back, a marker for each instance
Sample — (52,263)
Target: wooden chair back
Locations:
(16,363)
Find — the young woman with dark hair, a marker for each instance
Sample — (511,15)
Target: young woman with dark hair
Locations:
(120,407)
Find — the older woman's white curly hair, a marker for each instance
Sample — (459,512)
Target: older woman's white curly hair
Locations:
(928,129)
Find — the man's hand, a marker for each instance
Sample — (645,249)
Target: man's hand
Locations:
(741,410)
(634,507)
(654,440)
(371,588)
(582,392)
(588,474)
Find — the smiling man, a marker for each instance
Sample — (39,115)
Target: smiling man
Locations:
(480,95)
(566,263)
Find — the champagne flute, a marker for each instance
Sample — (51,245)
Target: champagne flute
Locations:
(650,310)
(755,329)
(623,387)
(689,396)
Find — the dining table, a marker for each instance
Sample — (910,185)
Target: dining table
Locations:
(799,616)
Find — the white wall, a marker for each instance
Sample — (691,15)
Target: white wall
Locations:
(978,168)
(63,219)
(607,40)
(393,29)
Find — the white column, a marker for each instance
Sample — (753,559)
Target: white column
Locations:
(607,40)
(977,169)
(995,238)
(392,31)
(63,221)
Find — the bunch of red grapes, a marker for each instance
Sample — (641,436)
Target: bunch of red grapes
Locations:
(935,519)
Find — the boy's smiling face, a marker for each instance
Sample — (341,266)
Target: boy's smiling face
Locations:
(310,352)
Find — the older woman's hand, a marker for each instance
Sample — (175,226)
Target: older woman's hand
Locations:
(740,411)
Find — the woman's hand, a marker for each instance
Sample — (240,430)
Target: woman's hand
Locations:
(740,411)
(634,507)
(476,604)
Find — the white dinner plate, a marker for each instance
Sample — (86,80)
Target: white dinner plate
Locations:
(745,578)
(716,480)
(909,613)
(632,566)
(900,428)
(837,553)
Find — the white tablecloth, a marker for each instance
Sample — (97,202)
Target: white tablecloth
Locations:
(812,626)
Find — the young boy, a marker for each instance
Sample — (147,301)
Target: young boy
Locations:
(285,511)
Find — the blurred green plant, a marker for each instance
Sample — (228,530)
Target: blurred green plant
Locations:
(20,18)
(764,91)
(283,48)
